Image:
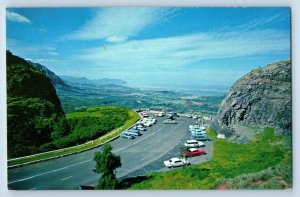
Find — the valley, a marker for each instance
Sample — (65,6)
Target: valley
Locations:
(78,96)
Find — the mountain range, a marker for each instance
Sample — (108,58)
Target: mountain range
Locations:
(84,80)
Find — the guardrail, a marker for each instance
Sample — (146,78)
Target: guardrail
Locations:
(26,160)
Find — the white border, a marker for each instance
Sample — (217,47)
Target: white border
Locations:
(294,4)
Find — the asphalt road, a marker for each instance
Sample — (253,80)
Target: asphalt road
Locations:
(139,156)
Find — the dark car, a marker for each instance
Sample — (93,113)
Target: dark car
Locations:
(125,135)
(171,117)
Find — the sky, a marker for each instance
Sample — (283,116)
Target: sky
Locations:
(167,48)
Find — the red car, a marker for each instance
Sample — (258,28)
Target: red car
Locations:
(192,152)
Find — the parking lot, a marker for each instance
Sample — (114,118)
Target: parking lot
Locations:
(139,156)
(163,142)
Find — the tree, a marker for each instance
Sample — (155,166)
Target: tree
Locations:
(106,163)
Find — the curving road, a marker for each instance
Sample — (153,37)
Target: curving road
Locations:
(139,156)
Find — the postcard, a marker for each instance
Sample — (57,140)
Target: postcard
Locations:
(149,98)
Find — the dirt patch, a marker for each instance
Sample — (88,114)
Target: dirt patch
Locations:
(255,183)
(223,186)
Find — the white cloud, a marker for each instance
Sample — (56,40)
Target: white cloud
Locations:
(183,50)
(116,39)
(264,21)
(15,17)
(117,24)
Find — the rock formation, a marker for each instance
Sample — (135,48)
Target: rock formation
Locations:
(261,98)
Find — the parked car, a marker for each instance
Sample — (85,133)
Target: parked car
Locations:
(170,117)
(134,131)
(160,114)
(194,144)
(138,124)
(148,124)
(176,162)
(203,137)
(197,132)
(141,129)
(169,121)
(192,152)
(175,114)
(127,136)
(195,117)
(189,116)
(197,127)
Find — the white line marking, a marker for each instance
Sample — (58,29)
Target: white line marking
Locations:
(59,169)
(66,178)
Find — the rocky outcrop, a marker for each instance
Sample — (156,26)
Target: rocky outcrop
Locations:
(261,98)
(55,80)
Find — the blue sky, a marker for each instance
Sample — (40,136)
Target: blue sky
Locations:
(208,48)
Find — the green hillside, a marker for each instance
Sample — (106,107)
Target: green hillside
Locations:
(90,124)
(34,112)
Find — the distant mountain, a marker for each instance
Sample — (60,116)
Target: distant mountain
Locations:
(55,80)
(34,112)
(261,98)
(84,80)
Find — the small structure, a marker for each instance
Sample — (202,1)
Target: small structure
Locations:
(221,136)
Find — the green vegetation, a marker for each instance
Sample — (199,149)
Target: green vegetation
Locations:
(229,161)
(106,163)
(90,124)
(34,112)
(76,149)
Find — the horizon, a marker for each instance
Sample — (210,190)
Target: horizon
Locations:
(151,47)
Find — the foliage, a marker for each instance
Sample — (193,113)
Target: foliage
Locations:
(24,80)
(106,163)
(34,113)
(229,160)
(89,125)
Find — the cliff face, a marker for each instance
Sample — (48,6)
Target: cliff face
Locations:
(259,99)
(34,112)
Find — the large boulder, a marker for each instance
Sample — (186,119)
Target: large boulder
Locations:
(261,98)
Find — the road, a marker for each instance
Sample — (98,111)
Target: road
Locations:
(139,156)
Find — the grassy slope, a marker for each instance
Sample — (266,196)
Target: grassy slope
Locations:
(133,117)
(229,161)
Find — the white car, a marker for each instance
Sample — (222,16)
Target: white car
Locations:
(197,127)
(160,114)
(195,132)
(193,144)
(195,117)
(148,124)
(176,162)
